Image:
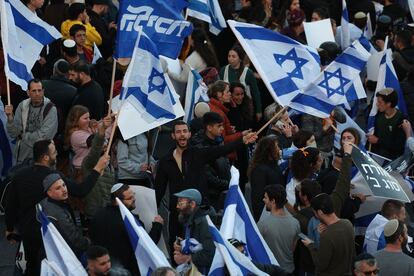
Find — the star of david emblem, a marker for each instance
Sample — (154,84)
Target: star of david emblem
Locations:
(337,80)
(156,81)
(292,56)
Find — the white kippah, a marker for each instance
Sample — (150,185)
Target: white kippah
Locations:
(116,187)
(200,109)
(69,43)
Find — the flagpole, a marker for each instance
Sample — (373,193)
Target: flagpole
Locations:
(271,120)
(8,91)
(111,92)
(111,138)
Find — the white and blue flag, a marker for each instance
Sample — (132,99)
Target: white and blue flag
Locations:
(208,11)
(96,54)
(368,28)
(23,35)
(345,32)
(196,92)
(228,256)
(161,20)
(57,250)
(285,65)
(238,223)
(6,153)
(149,256)
(387,78)
(329,89)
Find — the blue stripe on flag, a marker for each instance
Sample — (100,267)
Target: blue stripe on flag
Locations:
(284,86)
(314,103)
(199,7)
(351,61)
(264,34)
(19,69)
(133,236)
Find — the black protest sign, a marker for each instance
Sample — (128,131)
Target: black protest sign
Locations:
(381,183)
(402,164)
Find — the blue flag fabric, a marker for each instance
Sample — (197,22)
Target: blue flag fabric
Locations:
(228,256)
(387,78)
(208,11)
(145,85)
(345,32)
(23,35)
(57,250)
(149,256)
(238,223)
(285,65)
(159,19)
(329,89)
(196,92)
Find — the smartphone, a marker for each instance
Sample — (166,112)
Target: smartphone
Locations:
(303,236)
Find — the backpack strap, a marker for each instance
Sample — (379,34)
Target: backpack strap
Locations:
(48,107)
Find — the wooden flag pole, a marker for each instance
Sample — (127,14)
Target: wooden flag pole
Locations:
(114,126)
(271,120)
(8,91)
(111,92)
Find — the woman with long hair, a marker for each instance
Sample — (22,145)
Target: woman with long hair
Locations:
(288,6)
(201,57)
(264,170)
(236,71)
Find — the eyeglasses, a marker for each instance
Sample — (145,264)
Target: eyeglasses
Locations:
(372,272)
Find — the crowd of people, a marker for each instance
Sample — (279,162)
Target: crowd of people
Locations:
(297,182)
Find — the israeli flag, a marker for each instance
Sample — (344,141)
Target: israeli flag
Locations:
(285,65)
(50,269)
(374,235)
(387,78)
(144,84)
(196,92)
(345,32)
(228,256)
(96,54)
(57,250)
(368,28)
(329,89)
(148,255)
(23,35)
(238,223)
(161,20)
(208,11)
(6,153)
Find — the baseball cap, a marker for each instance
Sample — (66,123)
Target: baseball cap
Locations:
(191,194)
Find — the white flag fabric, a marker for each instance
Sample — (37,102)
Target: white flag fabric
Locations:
(23,36)
(57,250)
(285,65)
(96,54)
(196,92)
(50,269)
(345,32)
(149,256)
(208,11)
(237,264)
(368,28)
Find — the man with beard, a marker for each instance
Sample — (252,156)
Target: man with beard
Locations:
(391,260)
(99,263)
(107,229)
(192,215)
(26,190)
(182,168)
(281,240)
(336,247)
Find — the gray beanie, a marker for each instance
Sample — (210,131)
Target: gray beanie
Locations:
(49,180)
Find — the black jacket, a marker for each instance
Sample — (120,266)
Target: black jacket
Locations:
(91,96)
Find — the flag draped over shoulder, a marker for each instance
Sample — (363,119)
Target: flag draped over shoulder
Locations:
(236,263)
(238,223)
(387,78)
(23,35)
(58,252)
(161,20)
(208,11)
(196,92)
(285,65)
(329,89)
(148,255)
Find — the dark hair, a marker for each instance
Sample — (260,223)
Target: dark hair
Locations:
(391,208)
(163,270)
(204,47)
(178,123)
(266,150)
(354,133)
(75,9)
(394,237)
(276,193)
(283,11)
(322,12)
(302,162)
(324,203)
(310,188)
(363,257)
(69,51)
(35,80)
(404,36)
(391,98)
(76,28)
(215,88)
(40,149)
(240,52)
(81,67)
(211,118)
(96,251)
(300,138)
(119,193)
(247,103)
